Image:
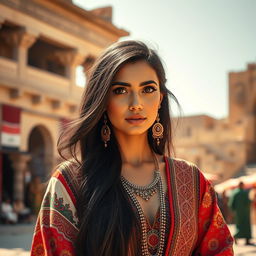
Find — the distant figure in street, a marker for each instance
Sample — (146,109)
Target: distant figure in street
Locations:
(22,211)
(36,191)
(224,207)
(240,204)
(7,212)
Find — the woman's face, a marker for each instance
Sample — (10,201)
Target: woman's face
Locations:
(134,98)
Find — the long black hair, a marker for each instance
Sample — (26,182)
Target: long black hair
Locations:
(107,222)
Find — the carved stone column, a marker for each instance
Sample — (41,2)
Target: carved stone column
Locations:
(70,59)
(87,64)
(19,164)
(22,39)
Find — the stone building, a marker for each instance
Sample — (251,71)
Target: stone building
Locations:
(225,147)
(42,42)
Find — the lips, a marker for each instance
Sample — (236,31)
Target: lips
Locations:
(135,119)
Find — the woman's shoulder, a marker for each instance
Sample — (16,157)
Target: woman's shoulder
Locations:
(67,173)
(182,163)
(187,171)
(68,167)
(184,166)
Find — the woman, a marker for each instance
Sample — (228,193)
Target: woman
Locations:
(123,195)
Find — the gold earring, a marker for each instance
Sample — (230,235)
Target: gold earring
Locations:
(158,130)
(105,132)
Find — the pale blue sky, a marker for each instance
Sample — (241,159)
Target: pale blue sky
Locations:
(200,41)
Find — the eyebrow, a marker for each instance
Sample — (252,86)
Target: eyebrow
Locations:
(129,85)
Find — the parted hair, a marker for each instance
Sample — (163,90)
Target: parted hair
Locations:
(108,224)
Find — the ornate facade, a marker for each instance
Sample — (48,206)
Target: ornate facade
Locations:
(42,42)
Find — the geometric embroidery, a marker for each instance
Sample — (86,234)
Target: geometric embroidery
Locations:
(57,204)
(57,228)
(185,214)
(61,224)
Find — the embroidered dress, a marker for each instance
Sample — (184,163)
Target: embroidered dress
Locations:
(196,225)
(153,235)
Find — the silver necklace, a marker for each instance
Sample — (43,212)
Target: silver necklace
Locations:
(141,191)
(145,192)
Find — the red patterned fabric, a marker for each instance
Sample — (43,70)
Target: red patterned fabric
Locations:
(213,237)
(57,223)
(153,230)
(196,225)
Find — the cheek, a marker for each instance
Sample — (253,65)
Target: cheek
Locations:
(114,110)
(153,103)
(152,108)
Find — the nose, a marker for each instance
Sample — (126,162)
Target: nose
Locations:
(135,103)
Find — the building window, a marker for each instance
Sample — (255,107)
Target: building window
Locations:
(80,76)
(7,48)
(42,55)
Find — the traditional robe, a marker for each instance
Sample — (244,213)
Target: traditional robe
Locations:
(240,204)
(196,225)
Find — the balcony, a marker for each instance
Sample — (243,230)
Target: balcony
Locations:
(39,81)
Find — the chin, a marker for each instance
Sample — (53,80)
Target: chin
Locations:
(136,132)
(131,131)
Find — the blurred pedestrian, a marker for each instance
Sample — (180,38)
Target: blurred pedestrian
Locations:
(22,211)
(7,213)
(240,204)
(36,190)
(224,207)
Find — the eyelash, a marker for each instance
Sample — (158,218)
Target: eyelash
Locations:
(118,89)
(152,88)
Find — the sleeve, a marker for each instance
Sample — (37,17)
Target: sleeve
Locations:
(214,237)
(57,223)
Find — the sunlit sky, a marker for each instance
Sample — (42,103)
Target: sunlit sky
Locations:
(200,41)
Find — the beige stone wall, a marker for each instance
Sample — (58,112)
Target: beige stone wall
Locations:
(224,146)
(242,93)
(39,27)
(49,125)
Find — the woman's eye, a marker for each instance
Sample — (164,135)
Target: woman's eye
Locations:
(120,90)
(149,89)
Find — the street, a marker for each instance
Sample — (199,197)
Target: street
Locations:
(15,240)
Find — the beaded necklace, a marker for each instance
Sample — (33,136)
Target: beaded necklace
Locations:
(146,192)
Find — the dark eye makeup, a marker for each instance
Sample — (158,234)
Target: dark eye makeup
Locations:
(119,90)
(149,89)
(123,90)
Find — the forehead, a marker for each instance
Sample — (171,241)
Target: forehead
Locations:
(136,71)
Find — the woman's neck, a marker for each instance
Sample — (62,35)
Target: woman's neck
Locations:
(135,149)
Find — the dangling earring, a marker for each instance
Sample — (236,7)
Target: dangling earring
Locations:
(157,130)
(105,132)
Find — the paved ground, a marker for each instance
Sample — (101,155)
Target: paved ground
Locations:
(241,249)
(16,240)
